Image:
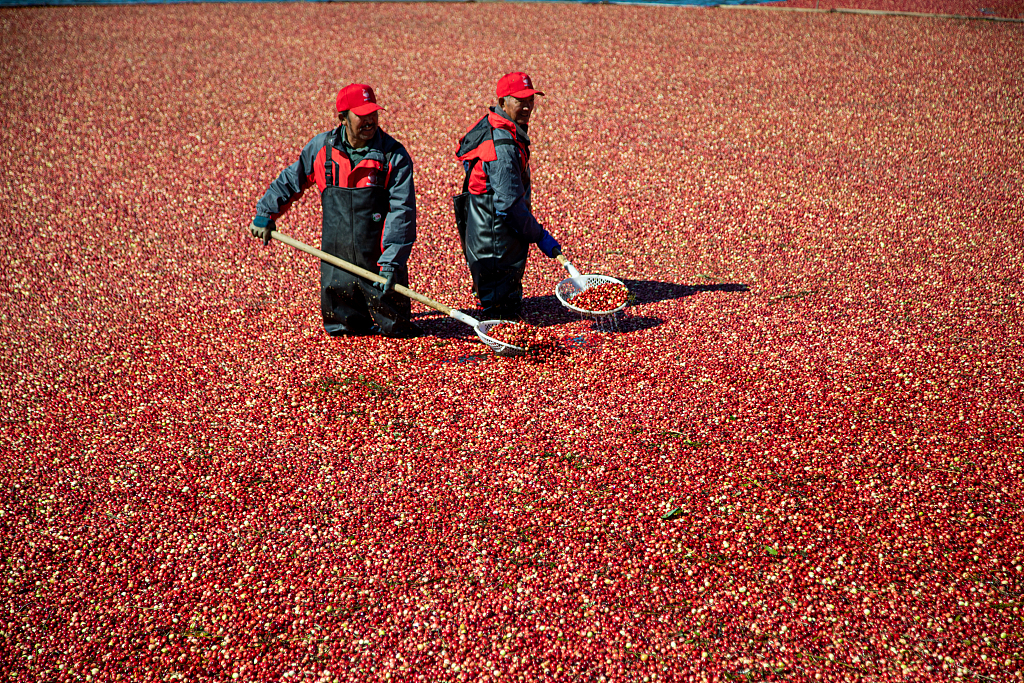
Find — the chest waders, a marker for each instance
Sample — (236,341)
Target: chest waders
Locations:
(495,252)
(353,226)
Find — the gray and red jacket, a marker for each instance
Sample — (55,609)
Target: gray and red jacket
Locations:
(386,163)
(496,154)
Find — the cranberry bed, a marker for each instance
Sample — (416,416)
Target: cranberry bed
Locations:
(799,458)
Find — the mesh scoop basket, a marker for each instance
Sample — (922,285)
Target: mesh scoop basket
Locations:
(568,288)
(499,347)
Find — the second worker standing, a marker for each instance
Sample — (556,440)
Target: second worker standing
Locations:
(494,213)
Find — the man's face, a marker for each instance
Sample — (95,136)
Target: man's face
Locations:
(518,110)
(360,129)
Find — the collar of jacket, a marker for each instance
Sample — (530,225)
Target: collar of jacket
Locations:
(521,131)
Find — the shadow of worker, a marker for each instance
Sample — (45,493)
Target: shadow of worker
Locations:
(652,291)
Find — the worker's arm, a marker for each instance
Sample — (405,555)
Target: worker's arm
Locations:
(511,201)
(400,224)
(291,183)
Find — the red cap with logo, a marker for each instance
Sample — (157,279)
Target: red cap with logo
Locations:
(517,84)
(357,98)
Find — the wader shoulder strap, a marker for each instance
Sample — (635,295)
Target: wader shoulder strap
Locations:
(329,160)
(469,172)
(387,168)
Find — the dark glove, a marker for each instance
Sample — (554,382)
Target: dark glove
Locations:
(390,279)
(262,226)
(549,246)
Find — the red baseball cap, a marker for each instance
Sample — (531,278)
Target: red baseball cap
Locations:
(517,84)
(357,98)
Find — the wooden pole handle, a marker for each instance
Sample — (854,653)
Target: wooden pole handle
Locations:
(356,270)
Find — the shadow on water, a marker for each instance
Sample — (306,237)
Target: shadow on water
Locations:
(547,310)
(652,291)
(635,323)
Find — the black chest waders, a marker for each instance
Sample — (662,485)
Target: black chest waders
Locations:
(353,226)
(495,252)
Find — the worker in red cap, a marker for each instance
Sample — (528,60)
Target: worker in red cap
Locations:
(493,213)
(369,216)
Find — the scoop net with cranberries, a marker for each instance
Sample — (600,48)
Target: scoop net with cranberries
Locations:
(596,296)
(507,338)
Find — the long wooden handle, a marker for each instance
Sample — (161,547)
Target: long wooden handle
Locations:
(362,272)
(561,259)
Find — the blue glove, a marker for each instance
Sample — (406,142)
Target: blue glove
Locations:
(262,226)
(549,246)
(389,281)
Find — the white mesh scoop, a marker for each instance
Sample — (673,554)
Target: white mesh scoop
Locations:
(569,288)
